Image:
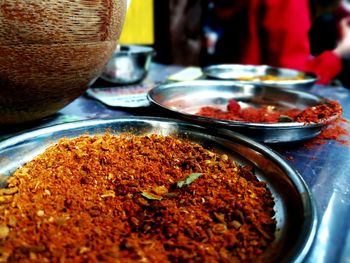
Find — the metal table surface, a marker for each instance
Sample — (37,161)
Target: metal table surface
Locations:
(325,168)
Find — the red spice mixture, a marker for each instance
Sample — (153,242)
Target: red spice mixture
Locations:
(134,199)
(271,114)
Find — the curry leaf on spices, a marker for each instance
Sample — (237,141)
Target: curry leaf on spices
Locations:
(189,179)
(151,196)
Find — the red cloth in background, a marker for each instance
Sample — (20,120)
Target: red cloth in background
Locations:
(285,25)
(326,66)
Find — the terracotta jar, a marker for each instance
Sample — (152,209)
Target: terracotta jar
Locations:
(51,50)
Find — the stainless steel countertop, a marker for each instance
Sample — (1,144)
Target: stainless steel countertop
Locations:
(325,168)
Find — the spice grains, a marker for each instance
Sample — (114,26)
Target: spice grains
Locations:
(134,199)
(326,111)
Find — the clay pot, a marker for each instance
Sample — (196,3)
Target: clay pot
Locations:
(51,51)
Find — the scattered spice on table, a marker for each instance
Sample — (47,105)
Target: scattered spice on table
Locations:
(290,158)
(134,199)
(338,131)
(272,113)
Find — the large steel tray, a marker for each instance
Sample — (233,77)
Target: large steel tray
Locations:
(184,99)
(261,74)
(294,205)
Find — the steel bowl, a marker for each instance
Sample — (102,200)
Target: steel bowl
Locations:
(184,99)
(294,206)
(261,74)
(128,65)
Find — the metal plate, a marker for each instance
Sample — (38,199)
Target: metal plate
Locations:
(184,99)
(294,206)
(282,77)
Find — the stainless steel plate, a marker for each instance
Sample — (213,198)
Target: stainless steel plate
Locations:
(184,99)
(295,208)
(281,77)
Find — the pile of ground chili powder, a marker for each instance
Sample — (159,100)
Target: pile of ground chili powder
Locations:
(134,199)
(272,114)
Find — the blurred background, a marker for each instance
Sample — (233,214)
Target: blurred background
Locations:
(187,32)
